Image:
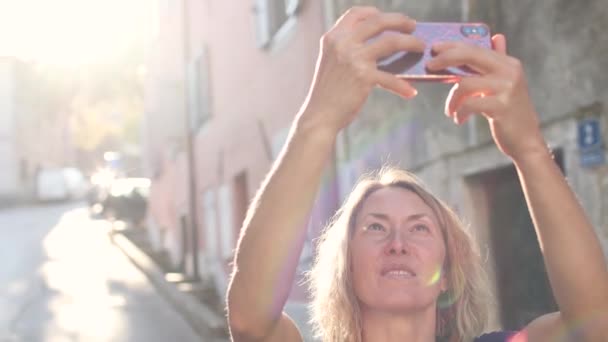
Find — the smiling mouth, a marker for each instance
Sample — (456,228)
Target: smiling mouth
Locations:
(398,272)
(399,275)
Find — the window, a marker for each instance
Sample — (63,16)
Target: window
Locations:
(199,91)
(226,225)
(241,200)
(271,17)
(211,226)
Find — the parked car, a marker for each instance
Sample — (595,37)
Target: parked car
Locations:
(127,200)
(76,183)
(57,184)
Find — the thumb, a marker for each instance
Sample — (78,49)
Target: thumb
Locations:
(499,43)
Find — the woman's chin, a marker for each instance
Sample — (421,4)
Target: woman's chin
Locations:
(402,302)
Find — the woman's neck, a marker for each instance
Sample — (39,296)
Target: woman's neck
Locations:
(390,327)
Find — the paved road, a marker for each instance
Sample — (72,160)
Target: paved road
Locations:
(62,280)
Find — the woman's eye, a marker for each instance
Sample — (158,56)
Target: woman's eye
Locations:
(375,227)
(420,228)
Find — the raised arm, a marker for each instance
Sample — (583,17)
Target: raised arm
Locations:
(572,254)
(274,230)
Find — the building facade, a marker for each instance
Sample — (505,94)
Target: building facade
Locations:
(461,163)
(10,176)
(163,133)
(33,136)
(243,71)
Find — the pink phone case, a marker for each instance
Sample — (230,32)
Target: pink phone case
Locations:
(411,65)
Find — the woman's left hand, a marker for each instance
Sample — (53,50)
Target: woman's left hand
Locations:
(499,92)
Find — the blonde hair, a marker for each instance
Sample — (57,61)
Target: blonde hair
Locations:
(461,310)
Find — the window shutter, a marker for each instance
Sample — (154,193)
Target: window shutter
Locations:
(262,22)
(199,90)
(211,226)
(193,94)
(204,84)
(226,225)
(292,7)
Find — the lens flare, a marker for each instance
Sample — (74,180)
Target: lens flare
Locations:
(521,336)
(447,299)
(450,297)
(435,277)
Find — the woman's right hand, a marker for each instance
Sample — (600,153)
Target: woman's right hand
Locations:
(346,70)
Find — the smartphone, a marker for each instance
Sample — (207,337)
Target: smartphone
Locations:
(412,65)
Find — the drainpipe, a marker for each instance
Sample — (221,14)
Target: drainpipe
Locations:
(341,147)
(190,135)
(472,125)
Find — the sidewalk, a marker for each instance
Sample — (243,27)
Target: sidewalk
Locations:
(186,297)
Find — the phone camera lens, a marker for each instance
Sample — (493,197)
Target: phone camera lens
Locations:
(476,31)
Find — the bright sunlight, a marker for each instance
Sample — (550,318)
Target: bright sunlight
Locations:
(70,32)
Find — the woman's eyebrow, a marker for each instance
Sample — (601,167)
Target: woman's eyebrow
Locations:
(380,216)
(419,216)
(413,217)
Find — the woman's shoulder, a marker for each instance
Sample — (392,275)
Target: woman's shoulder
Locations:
(496,336)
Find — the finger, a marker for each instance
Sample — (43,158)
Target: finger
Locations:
(461,118)
(356,14)
(471,86)
(499,44)
(394,84)
(485,106)
(447,109)
(392,42)
(375,25)
(456,54)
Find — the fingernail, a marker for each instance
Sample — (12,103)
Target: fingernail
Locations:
(409,92)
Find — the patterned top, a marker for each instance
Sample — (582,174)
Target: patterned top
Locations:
(497,336)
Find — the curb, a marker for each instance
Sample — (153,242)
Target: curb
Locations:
(206,323)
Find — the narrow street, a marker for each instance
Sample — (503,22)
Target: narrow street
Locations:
(61,279)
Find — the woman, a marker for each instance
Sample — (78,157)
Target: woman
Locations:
(395,264)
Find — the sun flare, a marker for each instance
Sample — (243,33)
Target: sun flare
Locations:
(70,32)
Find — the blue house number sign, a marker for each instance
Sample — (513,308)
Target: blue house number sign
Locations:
(590,145)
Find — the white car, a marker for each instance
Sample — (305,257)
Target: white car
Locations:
(76,182)
(56,184)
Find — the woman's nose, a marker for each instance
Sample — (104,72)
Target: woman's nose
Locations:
(396,245)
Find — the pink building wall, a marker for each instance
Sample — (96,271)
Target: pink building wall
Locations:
(164,128)
(255,94)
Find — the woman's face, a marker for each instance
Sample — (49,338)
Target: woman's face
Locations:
(397,252)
